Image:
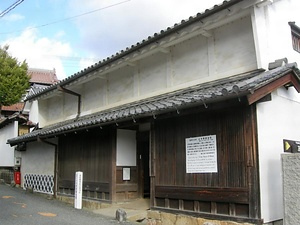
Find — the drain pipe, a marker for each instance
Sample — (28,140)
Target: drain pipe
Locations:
(62,89)
(55,161)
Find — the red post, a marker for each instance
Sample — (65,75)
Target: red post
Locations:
(17,176)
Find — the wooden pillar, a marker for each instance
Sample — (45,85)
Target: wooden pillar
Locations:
(252,162)
(152,166)
(113,172)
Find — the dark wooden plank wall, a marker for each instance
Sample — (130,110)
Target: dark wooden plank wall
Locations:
(127,189)
(225,192)
(89,152)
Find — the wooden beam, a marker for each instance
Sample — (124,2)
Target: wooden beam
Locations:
(164,50)
(232,195)
(267,89)
(113,169)
(90,186)
(126,187)
(206,33)
(152,166)
(264,3)
(129,63)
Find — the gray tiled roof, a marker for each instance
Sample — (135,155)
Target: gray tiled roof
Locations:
(14,117)
(151,39)
(202,94)
(37,88)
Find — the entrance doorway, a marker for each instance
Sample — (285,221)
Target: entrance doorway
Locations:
(143,146)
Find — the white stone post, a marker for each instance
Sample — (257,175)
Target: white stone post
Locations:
(78,190)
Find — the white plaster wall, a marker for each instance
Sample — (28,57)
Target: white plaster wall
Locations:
(69,106)
(234,48)
(94,94)
(229,51)
(273,33)
(120,85)
(153,74)
(34,112)
(126,148)
(43,111)
(190,60)
(38,159)
(7,153)
(277,120)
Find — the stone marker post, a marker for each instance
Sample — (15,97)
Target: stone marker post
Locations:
(78,190)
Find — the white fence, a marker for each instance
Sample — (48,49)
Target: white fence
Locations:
(39,183)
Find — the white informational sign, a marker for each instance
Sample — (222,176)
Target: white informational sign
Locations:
(78,190)
(126,173)
(201,154)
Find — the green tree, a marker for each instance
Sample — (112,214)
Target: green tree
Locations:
(14,80)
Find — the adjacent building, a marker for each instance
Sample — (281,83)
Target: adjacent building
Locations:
(15,121)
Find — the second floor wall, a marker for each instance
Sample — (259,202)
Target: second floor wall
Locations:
(225,51)
(247,36)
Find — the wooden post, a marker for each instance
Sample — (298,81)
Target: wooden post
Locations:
(112,183)
(252,162)
(152,166)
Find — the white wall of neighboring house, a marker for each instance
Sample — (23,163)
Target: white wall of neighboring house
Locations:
(34,112)
(272,33)
(38,159)
(7,153)
(277,120)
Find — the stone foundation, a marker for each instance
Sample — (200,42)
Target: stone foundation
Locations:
(89,204)
(162,218)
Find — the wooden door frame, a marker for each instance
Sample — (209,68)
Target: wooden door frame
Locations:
(141,137)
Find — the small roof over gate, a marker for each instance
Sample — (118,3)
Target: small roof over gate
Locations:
(254,85)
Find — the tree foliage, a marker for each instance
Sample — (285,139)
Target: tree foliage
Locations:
(14,80)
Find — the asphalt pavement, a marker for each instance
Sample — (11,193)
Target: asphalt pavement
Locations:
(18,207)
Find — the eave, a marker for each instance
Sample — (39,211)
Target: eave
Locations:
(287,80)
(253,85)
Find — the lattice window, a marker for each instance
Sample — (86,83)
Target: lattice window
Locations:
(39,183)
(295,36)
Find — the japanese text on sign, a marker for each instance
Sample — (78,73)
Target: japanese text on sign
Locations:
(201,154)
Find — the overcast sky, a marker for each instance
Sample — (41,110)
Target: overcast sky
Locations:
(69,35)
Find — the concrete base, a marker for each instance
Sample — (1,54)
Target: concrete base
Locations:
(291,193)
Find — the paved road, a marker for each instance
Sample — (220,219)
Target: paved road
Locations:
(18,207)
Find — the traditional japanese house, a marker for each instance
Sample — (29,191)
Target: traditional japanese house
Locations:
(192,117)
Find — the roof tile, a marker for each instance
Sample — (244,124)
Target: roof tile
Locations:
(42,76)
(235,87)
(15,107)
